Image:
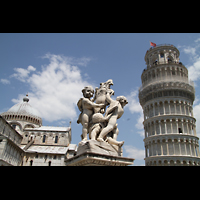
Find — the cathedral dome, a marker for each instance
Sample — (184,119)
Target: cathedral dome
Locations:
(23,112)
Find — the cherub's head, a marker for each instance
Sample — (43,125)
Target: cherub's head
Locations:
(123,100)
(88,91)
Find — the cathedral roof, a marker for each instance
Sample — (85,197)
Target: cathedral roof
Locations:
(50,149)
(50,128)
(24,111)
(23,108)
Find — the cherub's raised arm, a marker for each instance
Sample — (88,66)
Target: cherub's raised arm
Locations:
(92,104)
(93,99)
(108,98)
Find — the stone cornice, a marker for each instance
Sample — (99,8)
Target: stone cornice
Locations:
(96,159)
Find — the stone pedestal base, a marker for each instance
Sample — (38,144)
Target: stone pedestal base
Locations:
(99,147)
(95,159)
(95,153)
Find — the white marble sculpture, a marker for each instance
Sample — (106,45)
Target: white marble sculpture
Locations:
(86,106)
(102,128)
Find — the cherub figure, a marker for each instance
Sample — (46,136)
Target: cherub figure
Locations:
(115,110)
(100,95)
(86,106)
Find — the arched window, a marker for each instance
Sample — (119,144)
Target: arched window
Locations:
(162,55)
(170,59)
(171,163)
(31,162)
(173,71)
(56,139)
(44,138)
(49,163)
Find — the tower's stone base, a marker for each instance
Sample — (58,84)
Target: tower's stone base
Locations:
(95,153)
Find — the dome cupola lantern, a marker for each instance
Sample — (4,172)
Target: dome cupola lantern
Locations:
(26,99)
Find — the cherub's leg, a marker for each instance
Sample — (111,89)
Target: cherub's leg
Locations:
(104,132)
(112,141)
(108,128)
(94,132)
(115,133)
(84,122)
(84,131)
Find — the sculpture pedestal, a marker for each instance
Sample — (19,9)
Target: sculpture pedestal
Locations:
(95,153)
(99,147)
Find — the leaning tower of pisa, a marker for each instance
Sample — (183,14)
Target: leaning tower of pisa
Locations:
(166,96)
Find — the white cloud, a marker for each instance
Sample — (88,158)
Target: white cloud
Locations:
(31,68)
(55,89)
(194,70)
(68,59)
(134,107)
(140,120)
(133,103)
(197,40)
(134,152)
(190,50)
(22,74)
(196,100)
(141,133)
(194,67)
(5,81)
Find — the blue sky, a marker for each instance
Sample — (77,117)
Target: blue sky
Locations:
(54,67)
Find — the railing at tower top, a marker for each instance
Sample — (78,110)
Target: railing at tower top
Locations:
(156,63)
(167,79)
(159,45)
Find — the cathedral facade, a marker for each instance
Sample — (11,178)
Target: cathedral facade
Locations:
(25,142)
